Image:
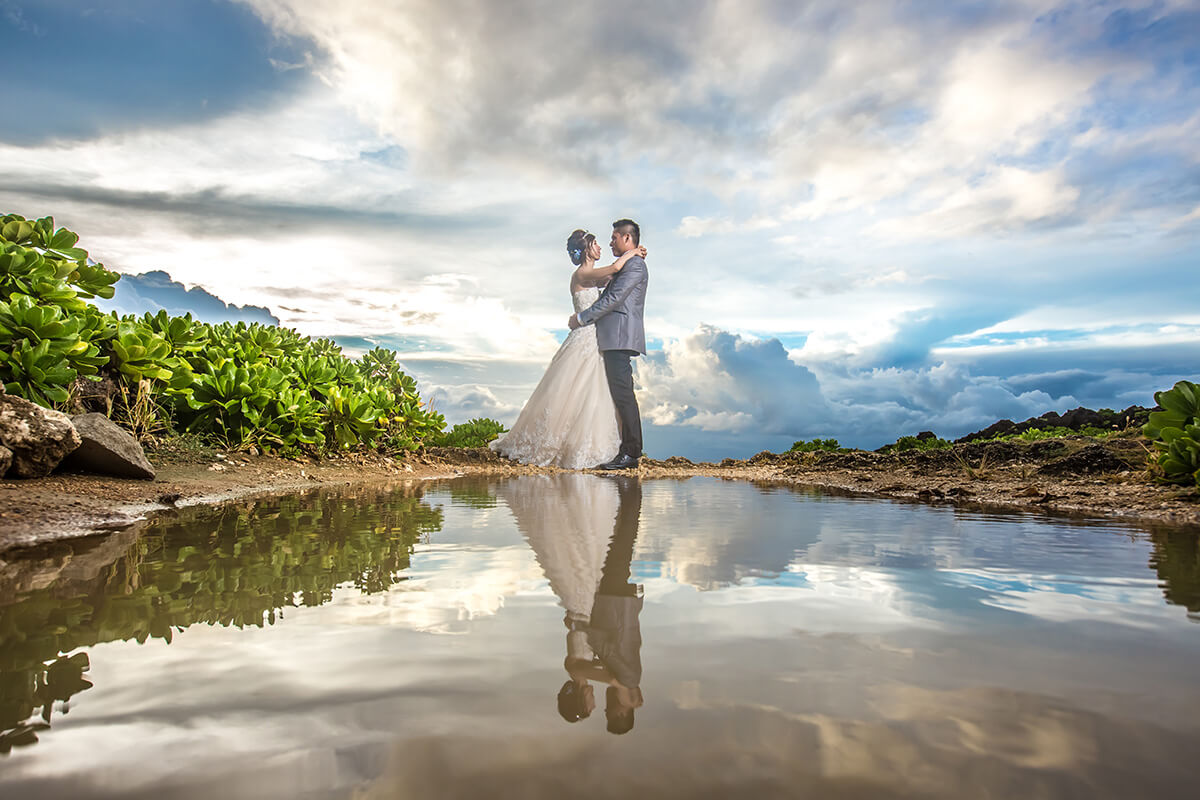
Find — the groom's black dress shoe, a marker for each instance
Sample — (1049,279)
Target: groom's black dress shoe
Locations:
(620,462)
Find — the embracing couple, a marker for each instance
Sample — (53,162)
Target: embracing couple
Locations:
(583,413)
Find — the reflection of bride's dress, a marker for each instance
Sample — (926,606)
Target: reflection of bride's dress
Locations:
(568,520)
(569,421)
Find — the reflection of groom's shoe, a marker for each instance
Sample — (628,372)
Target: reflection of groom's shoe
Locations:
(620,462)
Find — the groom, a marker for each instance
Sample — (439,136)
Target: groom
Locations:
(621,336)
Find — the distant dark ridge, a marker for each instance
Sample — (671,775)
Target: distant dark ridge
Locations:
(1075,419)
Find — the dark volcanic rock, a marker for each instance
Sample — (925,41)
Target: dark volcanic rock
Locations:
(1047,448)
(1050,419)
(1094,458)
(934,458)
(847,460)
(925,435)
(5,460)
(37,437)
(1080,418)
(995,452)
(998,428)
(1075,419)
(763,457)
(107,450)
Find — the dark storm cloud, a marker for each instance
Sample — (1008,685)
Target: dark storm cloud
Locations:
(199,211)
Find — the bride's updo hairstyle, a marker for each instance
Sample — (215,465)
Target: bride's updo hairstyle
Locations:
(578,244)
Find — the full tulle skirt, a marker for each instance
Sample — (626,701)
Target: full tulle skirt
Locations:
(569,421)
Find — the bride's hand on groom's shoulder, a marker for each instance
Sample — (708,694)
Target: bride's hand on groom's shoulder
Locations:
(620,263)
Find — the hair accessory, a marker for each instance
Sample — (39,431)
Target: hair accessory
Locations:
(576,254)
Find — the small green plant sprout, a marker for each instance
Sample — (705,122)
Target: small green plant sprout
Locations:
(974,473)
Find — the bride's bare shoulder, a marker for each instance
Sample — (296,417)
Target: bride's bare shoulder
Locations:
(580,280)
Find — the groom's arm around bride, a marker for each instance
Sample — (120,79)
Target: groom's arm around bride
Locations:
(625,296)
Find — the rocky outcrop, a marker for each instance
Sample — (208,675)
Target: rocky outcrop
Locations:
(5,460)
(106,449)
(37,437)
(1093,459)
(1075,419)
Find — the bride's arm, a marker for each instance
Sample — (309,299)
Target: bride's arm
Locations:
(601,275)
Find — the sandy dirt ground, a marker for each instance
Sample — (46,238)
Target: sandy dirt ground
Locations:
(1073,475)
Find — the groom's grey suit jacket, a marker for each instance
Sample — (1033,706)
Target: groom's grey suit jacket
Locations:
(618,312)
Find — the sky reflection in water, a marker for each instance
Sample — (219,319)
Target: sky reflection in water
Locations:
(412,642)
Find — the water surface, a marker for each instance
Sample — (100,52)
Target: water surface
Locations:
(752,638)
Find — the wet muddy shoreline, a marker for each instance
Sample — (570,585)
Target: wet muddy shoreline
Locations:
(1075,475)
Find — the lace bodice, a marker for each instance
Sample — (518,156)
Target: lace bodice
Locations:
(585,297)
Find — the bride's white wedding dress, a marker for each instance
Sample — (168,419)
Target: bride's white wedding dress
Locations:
(568,521)
(569,421)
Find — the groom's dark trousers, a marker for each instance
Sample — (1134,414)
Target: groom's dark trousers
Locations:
(619,370)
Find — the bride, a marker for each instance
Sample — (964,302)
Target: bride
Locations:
(569,421)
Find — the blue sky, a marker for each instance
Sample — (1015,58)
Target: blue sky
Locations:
(864,220)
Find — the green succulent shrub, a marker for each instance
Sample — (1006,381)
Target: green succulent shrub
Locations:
(473,433)
(48,330)
(183,334)
(141,354)
(42,350)
(352,416)
(44,263)
(1176,433)
(906,443)
(240,385)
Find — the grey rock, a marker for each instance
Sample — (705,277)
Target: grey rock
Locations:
(37,437)
(107,449)
(5,459)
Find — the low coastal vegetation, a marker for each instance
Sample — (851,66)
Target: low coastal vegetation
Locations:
(1172,428)
(818,445)
(922,441)
(240,386)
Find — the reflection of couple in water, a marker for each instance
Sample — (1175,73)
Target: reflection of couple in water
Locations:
(582,529)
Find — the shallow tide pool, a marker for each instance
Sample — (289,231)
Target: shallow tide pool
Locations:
(578,635)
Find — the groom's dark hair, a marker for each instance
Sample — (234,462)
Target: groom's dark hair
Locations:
(630,227)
